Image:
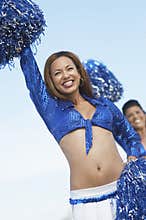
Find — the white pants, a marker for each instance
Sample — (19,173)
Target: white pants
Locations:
(103,210)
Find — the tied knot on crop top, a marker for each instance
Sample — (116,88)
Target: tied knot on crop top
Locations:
(61,117)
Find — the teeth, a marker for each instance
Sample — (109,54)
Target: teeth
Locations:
(68,83)
(137,121)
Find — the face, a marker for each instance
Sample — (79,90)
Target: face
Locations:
(136,117)
(65,76)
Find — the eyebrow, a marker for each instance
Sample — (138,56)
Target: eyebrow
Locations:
(65,67)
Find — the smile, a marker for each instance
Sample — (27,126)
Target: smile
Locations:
(68,83)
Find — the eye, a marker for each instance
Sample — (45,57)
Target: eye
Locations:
(57,73)
(138,112)
(129,116)
(70,68)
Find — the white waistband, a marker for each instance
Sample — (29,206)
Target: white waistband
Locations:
(93,191)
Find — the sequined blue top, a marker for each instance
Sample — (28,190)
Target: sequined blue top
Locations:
(61,117)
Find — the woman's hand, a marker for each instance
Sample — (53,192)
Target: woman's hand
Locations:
(131,158)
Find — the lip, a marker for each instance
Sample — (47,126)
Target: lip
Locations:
(137,121)
(67,83)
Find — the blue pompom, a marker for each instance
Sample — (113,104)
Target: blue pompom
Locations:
(21,24)
(103,81)
(131,191)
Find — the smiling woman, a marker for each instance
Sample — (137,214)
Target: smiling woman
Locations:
(137,117)
(61,67)
(65,76)
(86,127)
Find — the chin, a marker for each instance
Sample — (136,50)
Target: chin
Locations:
(69,91)
(138,127)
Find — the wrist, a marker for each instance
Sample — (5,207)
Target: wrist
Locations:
(131,158)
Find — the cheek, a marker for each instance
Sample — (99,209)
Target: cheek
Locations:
(130,119)
(55,81)
(144,119)
(78,78)
(78,82)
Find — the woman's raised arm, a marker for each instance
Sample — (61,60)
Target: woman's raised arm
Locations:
(35,84)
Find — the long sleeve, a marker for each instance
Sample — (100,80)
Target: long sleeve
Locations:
(125,134)
(38,92)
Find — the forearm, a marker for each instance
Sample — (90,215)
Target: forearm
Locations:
(35,83)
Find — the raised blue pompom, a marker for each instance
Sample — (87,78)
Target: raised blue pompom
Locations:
(21,24)
(103,81)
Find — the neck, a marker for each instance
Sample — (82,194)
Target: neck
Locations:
(77,99)
(142,133)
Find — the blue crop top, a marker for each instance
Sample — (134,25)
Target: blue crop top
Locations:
(61,117)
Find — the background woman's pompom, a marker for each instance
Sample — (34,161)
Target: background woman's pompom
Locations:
(21,24)
(103,81)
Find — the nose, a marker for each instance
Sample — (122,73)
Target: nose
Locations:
(134,115)
(65,74)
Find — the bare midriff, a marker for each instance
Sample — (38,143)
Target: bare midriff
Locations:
(101,166)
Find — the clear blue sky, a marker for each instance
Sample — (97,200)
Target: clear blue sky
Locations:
(34,175)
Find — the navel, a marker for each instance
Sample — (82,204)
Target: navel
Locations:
(98,168)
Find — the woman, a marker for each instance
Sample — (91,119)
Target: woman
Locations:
(85,128)
(137,118)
